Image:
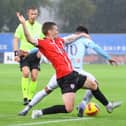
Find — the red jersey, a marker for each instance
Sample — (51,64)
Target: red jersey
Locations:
(54,51)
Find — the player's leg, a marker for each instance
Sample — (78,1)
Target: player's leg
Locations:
(25,83)
(68,87)
(99,95)
(87,97)
(24,66)
(82,81)
(40,95)
(68,99)
(48,89)
(34,68)
(33,83)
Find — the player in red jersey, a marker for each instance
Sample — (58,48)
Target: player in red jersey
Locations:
(68,80)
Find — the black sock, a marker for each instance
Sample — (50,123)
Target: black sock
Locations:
(54,109)
(99,96)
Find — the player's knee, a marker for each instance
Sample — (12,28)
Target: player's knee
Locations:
(48,91)
(25,74)
(93,85)
(69,108)
(34,77)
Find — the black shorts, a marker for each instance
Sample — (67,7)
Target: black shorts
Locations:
(32,61)
(71,82)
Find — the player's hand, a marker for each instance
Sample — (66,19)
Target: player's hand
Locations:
(85,35)
(39,54)
(17,58)
(20,17)
(113,62)
(23,53)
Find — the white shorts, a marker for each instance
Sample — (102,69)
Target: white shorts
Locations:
(89,75)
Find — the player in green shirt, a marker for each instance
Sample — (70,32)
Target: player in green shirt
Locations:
(30,65)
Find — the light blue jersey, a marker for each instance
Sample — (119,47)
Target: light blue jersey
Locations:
(76,51)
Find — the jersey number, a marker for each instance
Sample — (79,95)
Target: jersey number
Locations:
(71,49)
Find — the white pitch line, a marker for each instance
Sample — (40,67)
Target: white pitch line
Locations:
(47,122)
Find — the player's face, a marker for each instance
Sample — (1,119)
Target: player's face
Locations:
(54,31)
(32,15)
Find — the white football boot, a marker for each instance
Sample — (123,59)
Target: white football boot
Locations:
(113,105)
(36,114)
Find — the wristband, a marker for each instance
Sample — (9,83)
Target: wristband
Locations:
(16,53)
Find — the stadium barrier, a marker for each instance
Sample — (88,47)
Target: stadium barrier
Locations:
(114,44)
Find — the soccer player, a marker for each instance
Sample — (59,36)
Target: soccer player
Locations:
(68,80)
(76,52)
(30,65)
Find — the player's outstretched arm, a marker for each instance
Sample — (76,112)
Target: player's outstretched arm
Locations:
(27,35)
(101,52)
(73,37)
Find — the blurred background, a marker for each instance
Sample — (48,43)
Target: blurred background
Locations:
(105,20)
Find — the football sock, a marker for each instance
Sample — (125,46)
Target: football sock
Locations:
(99,96)
(24,84)
(86,99)
(82,105)
(27,108)
(32,88)
(38,96)
(88,96)
(54,109)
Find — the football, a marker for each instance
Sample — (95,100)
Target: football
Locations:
(91,109)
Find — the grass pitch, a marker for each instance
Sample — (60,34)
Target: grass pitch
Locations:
(112,82)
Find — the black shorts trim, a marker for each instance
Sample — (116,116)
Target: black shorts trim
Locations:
(71,82)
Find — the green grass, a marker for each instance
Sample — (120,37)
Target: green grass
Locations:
(112,82)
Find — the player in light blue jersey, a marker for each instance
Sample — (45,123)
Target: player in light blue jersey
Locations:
(76,52)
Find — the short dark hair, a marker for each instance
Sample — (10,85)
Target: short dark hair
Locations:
(81,28)
(47,26)
(32,8)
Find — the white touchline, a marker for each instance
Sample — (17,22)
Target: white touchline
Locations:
(47,122)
